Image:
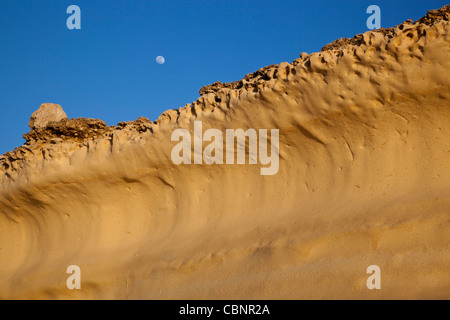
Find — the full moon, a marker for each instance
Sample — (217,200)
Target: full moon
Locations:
(160,59)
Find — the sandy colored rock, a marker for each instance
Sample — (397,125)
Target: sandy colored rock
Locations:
(47,112)
(364,179)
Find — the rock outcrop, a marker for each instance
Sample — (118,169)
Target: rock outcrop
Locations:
(46,114)
(363,180)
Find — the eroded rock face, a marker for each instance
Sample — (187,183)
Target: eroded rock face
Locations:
(78,129)
(363,179)
(47,112)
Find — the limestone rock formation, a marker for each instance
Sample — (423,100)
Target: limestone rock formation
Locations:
(364,179)
(47,113)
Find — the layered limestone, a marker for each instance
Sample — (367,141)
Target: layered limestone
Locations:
(363,179)
(46,114)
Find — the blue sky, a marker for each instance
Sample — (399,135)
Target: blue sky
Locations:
(107,70)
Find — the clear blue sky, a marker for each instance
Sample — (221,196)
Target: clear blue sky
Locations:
(107,70)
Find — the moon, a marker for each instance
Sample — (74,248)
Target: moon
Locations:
(160,59)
